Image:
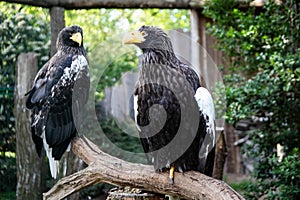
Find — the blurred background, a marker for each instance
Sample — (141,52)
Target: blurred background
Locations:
(247,54)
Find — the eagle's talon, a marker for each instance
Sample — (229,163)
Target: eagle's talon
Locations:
(171,175)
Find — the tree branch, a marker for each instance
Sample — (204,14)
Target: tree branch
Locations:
(78,4)
(105,168)
(83,4)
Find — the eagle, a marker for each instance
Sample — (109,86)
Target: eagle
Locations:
(174,115)
(58,95)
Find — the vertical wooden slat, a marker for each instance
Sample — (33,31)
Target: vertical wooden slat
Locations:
(232,159)
(198,56)
(30,175)
(57,22)
(220,157)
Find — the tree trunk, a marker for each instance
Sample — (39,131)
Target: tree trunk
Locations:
(232,164)
(30,168)
(57,23)
(105,168)
(221,154)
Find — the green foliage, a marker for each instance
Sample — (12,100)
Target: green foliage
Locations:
(119,138)
(20,32)
(103,35)
(8,174)
(241,186)
(107,23)
(285,183)
(8,196)
(263,46)
(111,73)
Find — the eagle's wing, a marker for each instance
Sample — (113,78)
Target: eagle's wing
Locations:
(38,90)
(51,100)
(66,95)
(207,110)
(207,114)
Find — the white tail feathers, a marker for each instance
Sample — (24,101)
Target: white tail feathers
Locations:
(68,148)
(53,164)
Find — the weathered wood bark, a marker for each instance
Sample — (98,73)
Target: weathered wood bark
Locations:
(197,53)
(78,4)
(30,168)
(221,154)
(232,165)
(105,168)
(206,55)
(74,164)
(57,22)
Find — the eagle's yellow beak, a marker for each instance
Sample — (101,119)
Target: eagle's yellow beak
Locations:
(77,37)
(134,37)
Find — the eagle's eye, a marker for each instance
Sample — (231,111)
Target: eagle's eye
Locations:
(144,33)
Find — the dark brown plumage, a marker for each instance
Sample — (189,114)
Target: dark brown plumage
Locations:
(174,114)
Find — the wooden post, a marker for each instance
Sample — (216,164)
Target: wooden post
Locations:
(221,154)
(232,159)
(207,55)
(57,22)
(198,56)
(30,173)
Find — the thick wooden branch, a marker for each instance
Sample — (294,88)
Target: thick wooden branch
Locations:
(105,168)
(84,4)
(78,4)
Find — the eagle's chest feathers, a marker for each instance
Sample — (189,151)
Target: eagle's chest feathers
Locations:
(162,79)
(164,84)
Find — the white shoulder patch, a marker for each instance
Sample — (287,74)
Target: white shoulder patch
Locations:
(206,106)
(79,63)
(135,108)
(205,102)
(72,73)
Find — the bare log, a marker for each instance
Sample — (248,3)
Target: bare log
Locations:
(78,4)
(28,162)
(105,168)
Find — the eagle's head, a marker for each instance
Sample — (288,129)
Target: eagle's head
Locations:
(149,37)
(70,37)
